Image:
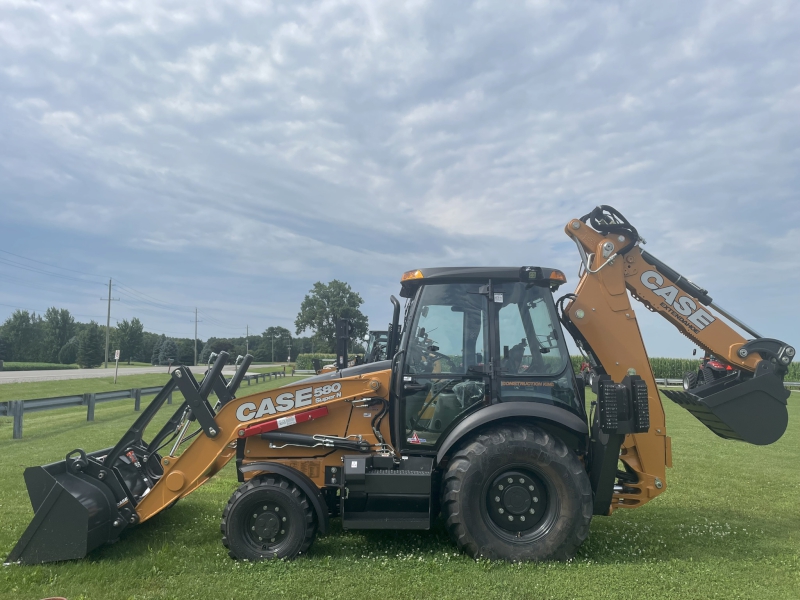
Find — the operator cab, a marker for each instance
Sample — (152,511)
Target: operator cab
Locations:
(477,336)
(376,345)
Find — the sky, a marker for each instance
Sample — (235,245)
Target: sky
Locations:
(227,155)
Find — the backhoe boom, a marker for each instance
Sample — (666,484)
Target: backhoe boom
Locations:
(749,404)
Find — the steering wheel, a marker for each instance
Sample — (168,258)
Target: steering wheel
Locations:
(437,356)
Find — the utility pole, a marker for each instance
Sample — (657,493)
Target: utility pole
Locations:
(108,319)
(195,336)
(247,341)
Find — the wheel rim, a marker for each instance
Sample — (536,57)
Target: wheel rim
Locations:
(519,504)
(267,525)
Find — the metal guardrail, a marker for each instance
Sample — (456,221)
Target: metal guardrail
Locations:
(303,372)
(17,408)
(679,383)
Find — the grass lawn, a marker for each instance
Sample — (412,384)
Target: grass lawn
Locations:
(727,527)
(68,387)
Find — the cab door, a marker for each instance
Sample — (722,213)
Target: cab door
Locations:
(444,370)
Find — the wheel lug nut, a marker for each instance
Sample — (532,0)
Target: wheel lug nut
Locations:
(260,539)
(530,487)
(283,518)
(522,518)
(500,487)
(497,498)
(531,511)
(536,498)
(277,509)
(255,515)
(264,508)
(253,528)
(510,518)
(500,510)
(510,480)
(272,540)
(521,480)
(283,531)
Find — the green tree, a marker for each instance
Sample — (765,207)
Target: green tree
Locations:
(3,349)
(20,335)
(326,303)
(274,345)
(185,351)
(59,329)
(91,346)
(157,349)
(69,352)
(128,337)
(233,347)
(168,350)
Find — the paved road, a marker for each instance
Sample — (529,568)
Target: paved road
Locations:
(29,376)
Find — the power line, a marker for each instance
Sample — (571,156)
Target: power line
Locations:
(133,297)
(220,323)
(49,265)
(26,283)
(25,267)
(147,296)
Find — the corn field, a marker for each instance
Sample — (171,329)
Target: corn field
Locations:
(663,368)
(674,368)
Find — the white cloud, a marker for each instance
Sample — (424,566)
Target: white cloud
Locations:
(358,139)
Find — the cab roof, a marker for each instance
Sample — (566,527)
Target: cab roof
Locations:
(413,279)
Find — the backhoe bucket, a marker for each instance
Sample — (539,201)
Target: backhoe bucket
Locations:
(73,513)
(750,410)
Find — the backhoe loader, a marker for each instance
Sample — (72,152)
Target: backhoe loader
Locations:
(477,416)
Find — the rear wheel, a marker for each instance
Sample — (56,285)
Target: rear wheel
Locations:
(516,493)
(267,517)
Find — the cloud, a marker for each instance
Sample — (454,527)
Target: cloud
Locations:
(270,145)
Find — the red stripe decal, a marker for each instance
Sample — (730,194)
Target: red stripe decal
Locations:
(281,422)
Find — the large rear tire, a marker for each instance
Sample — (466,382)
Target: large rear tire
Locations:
(517,493)
(267,517)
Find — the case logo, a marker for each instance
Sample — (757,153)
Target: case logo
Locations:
(681,307)
(248,411)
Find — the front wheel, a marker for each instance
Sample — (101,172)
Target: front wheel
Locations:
(517,493)
(267,517)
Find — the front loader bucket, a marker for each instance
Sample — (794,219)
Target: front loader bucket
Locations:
(73,514)
(87,500)
(750,410)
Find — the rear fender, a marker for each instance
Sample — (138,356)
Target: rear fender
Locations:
(569,427)
(302,481)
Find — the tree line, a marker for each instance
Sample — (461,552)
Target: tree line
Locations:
(56,337)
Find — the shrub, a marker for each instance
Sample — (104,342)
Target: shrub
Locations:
(29,366)
(304,360)
(69,352)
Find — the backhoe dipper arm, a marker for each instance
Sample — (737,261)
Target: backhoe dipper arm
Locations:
(601,319)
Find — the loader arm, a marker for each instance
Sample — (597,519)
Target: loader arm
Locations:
(604,324)
(207,455)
